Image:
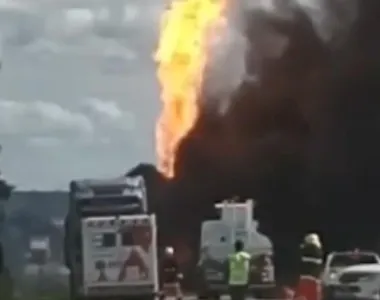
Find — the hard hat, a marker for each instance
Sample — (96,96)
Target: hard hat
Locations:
(312,238)
(169,250)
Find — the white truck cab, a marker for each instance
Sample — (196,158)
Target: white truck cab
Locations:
(39,250)
(217,242)
(38,255)
(111,241)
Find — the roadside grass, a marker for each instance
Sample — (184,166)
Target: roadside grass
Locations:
(42,296)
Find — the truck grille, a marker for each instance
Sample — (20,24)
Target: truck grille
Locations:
(352,277)
(347,288)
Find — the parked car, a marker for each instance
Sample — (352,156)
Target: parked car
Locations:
(337,261)
(357,282)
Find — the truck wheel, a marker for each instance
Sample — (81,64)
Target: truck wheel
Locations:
(202,296)
(215,296)
(266,293)
(259,294)
(208,296)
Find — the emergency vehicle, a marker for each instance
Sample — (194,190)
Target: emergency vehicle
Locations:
(217,242)
(111,240)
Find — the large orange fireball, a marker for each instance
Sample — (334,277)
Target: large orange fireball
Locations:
(182,56)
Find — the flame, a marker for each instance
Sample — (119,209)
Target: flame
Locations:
(182,57)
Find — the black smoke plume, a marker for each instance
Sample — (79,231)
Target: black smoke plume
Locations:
(304,142)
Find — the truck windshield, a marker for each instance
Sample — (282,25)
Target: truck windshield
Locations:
(345,260)
(103,206)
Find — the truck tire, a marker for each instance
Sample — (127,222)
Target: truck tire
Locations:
(206,295)
(214,296)
(265,293)
(203,292)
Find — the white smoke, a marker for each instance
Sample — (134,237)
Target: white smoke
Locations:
(228,45)
(226,66)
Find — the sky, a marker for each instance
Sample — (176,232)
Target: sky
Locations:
(78,92)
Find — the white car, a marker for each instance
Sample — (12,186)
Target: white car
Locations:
(337,261)
(357,282)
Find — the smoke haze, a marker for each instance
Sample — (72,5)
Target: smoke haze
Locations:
(301,138)
(257,27)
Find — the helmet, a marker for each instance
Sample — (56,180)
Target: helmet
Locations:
(313,239)
(169,250)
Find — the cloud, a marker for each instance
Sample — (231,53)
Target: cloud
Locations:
(45,124)
(109,109)
(70,23)
(77,23)
(109,113)
(63,51)
(38,118)
(45,141)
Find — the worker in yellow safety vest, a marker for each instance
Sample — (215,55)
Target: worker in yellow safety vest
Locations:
(239,271)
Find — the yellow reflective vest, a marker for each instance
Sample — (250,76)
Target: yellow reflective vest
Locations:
(239,267)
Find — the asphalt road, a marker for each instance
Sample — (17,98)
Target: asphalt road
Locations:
(194,297)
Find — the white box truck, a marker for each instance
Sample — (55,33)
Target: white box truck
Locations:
(111,240)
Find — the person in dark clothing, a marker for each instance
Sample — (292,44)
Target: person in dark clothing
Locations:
(309,285)
(311,256)
(171,275)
